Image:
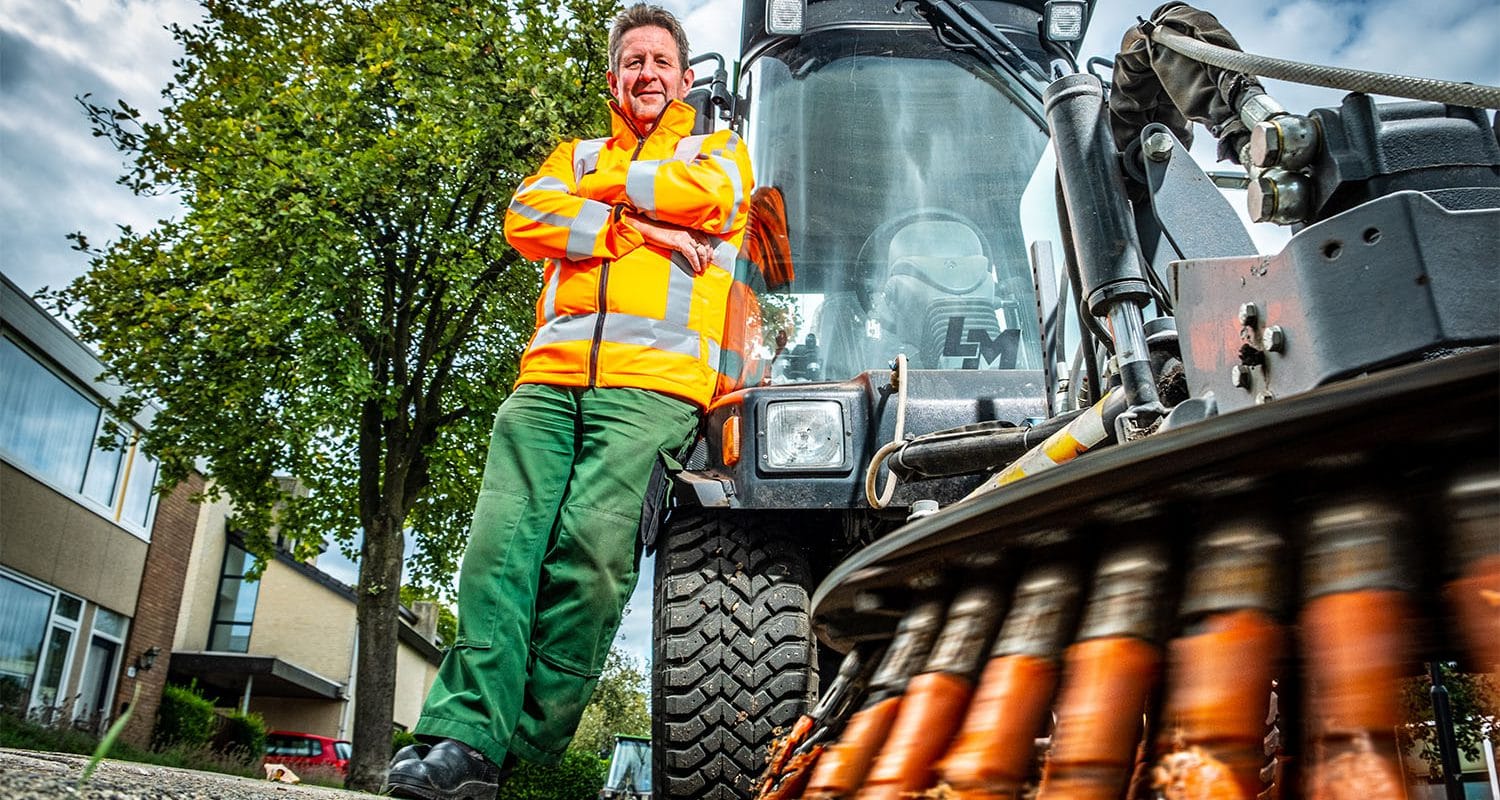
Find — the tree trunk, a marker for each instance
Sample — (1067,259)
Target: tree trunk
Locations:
(375,684)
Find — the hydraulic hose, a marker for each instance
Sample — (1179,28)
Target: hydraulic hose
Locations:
(971,448)
(883,499)
(1351,80)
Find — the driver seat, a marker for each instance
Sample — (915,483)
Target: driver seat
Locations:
(939,299)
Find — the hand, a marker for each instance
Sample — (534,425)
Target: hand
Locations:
(693,245)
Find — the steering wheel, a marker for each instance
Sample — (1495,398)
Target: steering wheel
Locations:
(870,263)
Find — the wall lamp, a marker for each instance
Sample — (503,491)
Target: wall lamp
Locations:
(144,661)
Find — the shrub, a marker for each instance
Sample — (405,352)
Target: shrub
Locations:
(185,719)
(579,776)
(241,737)
(400,738)
(25,734)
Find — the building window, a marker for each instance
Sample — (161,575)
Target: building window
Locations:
(38,626)
(58,434)
(46,701)
(23,627)
(46,426)
(234,610)
(103,474)
(136,506)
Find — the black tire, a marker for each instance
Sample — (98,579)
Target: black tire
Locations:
(733,652)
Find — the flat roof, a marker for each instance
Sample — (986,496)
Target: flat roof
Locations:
(227,674)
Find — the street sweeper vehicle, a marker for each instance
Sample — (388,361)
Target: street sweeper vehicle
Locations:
(1039,477)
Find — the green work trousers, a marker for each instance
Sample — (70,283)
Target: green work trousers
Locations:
(552,558)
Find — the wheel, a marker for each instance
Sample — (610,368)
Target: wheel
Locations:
(733,652)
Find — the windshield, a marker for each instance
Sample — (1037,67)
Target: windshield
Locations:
(630,767)
(898,167)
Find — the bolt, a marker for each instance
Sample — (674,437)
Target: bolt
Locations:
(1273,339)
(1239,375)
(1280,196)
(1260,196)
(1265,144)
(1249,314)
(1158,146)
(1264,397)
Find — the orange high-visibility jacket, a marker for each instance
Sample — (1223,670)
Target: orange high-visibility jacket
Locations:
(615,311)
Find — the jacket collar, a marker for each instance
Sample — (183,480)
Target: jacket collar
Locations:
(676,119)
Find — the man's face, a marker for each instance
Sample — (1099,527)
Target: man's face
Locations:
(649,75)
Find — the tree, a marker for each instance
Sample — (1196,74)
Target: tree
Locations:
(619,705)
(336,301)
(1474,703)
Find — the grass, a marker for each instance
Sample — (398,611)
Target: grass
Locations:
(24,734)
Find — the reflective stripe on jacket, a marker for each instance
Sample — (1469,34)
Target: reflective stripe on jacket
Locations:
(615,311)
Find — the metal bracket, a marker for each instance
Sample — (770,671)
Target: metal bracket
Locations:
(1195,217)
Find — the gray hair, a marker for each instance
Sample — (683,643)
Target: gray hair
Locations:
(642,15)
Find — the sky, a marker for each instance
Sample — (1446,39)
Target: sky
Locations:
(55,178)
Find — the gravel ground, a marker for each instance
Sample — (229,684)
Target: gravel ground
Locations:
(29,775)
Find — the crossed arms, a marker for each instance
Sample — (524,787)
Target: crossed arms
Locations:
(669,203)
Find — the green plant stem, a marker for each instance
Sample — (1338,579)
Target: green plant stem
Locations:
(109,738)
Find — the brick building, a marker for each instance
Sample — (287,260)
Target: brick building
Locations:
(107,588)
(89,557)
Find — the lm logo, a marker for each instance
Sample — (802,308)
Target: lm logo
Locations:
(978,347)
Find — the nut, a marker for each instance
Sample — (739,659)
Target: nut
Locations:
(1249,314)
(1239,375)
(1158,146)
(1280,196)
(1273,339)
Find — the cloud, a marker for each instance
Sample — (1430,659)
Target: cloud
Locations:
(713,27)
(58,177)
(1446,39)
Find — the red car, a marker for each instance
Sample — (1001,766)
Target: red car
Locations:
(304,752)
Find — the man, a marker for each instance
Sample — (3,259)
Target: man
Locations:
(639,232)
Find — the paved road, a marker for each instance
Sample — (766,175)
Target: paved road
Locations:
(29,775)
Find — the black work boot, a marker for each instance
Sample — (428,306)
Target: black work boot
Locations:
(451,770)
(412,751)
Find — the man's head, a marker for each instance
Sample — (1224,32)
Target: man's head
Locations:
(648,54)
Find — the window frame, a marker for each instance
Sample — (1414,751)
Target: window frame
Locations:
(215,621)
(57,621)
(112,511)
(112,682)
(51,592)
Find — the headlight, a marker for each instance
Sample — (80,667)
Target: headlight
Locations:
(802,434)
(784,17)
(1064,20)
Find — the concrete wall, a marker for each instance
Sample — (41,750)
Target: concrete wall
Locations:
(54,539)
(302,621)
(201,582)
(414,674)
(305,716)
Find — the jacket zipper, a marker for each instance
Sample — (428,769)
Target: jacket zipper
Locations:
(599,324)
(640,143)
